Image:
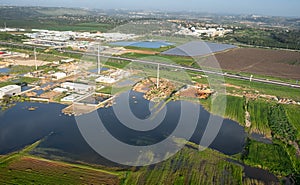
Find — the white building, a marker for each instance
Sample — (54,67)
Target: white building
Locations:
(105,79)
(67,60)
(59,75)
(10,90)
(60,90)
(77,87)
(70,98)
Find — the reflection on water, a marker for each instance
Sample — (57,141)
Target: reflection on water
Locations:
(20,127)
(4,70)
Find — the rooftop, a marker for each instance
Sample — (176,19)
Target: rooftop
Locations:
(9,87)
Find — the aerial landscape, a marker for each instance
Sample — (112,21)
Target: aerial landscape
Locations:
(169,92)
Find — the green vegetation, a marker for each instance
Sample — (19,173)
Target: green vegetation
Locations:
(269,89)
(184,61)
(161,49)
(293,114)
(270,157)
(273,38)
(21,168)
(21,69)
(280,126)
(12,37)
(116,63)
(235,107)
(189,166)
(258,110)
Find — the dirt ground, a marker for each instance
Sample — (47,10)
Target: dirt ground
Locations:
(44,171)
(26,62)
(278,63)
(141,51)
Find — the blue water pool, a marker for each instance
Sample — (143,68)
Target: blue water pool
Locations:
(144,44)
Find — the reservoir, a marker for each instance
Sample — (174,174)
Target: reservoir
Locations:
(62,138)
(144,44)
(4,70)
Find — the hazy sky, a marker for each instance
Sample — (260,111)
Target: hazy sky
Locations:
(265,7)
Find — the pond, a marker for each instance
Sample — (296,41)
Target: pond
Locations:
(4,70)
(144,44)
(66,140)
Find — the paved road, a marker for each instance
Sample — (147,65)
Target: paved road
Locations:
(266,81)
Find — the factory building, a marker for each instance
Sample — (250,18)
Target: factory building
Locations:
(58,75)
(10,90)
(77,87)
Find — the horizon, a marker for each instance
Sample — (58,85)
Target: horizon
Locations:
(278,8)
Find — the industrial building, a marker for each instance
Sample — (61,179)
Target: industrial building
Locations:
(77,87)
(106,79)
(70,98)
(10,90)
(59,75)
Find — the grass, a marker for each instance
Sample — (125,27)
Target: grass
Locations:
(189,166)
(269,157)
(235,107)
(161,49)
(279,91)
(293,115)
(184,61)
(258,110)
(21,168)
(280,125)
(57,26)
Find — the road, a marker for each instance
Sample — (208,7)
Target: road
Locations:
(245,78)
(266,81)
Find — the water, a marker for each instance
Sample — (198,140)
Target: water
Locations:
(96,70)
(39,92)
(260,138)
(25,88)
(144,44)
(257,173)
(4,70)
(62,139)
(198,48)
(20,127)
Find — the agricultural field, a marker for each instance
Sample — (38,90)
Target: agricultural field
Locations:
(21,168)
(278,63)
(258,110)
(270,157)
(31,170)
(189,167)
(280,125)
(293,115)
(235,107)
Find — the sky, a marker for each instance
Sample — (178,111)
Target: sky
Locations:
(262,7)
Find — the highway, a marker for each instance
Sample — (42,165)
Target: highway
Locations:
(245,78)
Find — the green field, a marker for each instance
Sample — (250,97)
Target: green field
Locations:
(269,157)
(293,115)
(258,110)
(234,110)
(281,127)
(58,26)
(189,167)
(21,168)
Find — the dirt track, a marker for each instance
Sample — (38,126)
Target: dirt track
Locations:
(277,63)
